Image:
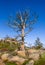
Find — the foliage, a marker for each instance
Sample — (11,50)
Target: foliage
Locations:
(10,63)
(41,61)
(26,62)
(7,46)
(43,55)
(38,44)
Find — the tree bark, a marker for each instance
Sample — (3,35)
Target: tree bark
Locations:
(23,34)
(22,46)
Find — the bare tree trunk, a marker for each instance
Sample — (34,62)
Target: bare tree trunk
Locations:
(22,46)
(23,36)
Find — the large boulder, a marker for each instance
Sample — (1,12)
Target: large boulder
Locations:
(33,53)
(17,59)
(34,56)
(13,58)
(21,53)
(4,56)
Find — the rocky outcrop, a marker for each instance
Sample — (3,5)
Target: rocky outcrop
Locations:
(21,56)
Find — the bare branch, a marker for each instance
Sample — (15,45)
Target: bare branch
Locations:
(26,16)
(19,16)
(17,37)
(31,22)
(12,26)
(30,29)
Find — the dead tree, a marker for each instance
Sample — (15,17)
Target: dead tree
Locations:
(23,23)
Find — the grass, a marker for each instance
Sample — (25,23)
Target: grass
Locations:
(43,55)
(10,63)
(26,62)
(41,61)
(6,46)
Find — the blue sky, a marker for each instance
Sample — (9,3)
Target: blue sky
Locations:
(10,7)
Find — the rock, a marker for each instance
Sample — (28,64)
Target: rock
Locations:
(41,51)
(21,53)
(34,56)
(13,58)
(17,59)
(21,60)
(1,62)
(4,57)
(32,51)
